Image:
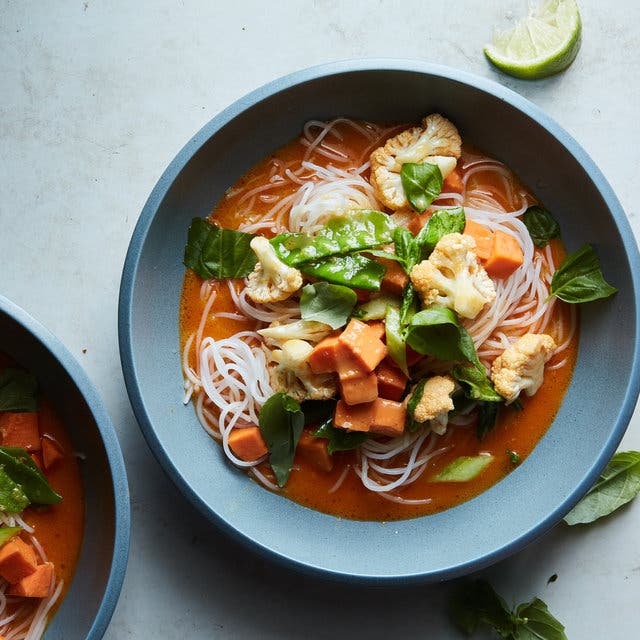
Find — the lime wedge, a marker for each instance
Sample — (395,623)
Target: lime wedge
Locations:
(544,43)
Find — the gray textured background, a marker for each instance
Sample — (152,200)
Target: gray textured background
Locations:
(95,100)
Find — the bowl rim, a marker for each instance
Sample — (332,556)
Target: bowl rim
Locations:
(280,84)
(113,451)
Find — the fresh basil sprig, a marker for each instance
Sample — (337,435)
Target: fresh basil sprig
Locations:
(579,278)
(18,391)
(281,422)
(542,226)
(476,383)
(618,484)
(331,304)
(440,224)
(476,603)
(213,252)
(353,270)
(339,439)
(422,183)
(487,417)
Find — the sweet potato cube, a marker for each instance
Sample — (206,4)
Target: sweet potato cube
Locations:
(417,221)
(388,417)
(20,430)
(506,256)
(17,560)
(453,183)
(356,417)
(361,341)
(484,238)
(395,278)
(315,451)
(52,452)
(247,443)
(359,389)
(325,355)
(377,329)
(36,585)
(391,381)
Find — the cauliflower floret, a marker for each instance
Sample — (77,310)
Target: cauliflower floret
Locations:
(437,141)
(453,277)
(271,280)
(435,403)
(290,372)
(521,366)
(309,330)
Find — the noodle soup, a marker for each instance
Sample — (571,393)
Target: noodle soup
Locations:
(381,423)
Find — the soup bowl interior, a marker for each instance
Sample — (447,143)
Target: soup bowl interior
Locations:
(93,593)
(597,405)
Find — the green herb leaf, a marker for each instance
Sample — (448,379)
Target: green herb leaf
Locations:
(281,422)
(436,331)
(579,279)
(331,304)
(12,498)
(213,252)
(416,396)
(395,339)
(534,622)
(410,304)
(18,391)
(359,230)
(541,225)
(19,466)
(441,223)
(487,416)
(422,183)
(354,270)
(513,456)
(476,383)
(7,533)
(476,602)
(317,411)
(463,469)
(406,248)
(618,484)
(339,439)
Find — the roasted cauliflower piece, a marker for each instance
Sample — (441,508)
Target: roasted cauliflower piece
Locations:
(453,277)
(435,403)
(271,280)
(521,366)
(436,141)
(308,330)
(289,371)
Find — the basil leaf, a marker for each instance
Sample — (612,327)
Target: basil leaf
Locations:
(513,456)
(213,252)
(618,484)
(436,331)
(395,339)
(317,411)
(463,469)
(406,248)
(361,230)
(7,533)
(534,622)
(441,223)
(331,304)
(487,416)
(281,422)
(476,383)
(541,225)
(353,270)
(416,396)
(18,391)
(410,304)
(579,279)
(339,439)
(19,466)
(422,183)
(476,602)
(12,498)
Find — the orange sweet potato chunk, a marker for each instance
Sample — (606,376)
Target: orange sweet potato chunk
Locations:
(506,256)
(484,238)
(388,417)
(20,430)
(363,344)
(52,453)
(36,585)
(453,182)
(315,451)
(247,443)
(359,389)
(395,278)
(17,560)
(377,329)
(324,357)
(391,381)
(355,417)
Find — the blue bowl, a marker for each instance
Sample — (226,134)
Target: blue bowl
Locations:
(597,407)
(88,606)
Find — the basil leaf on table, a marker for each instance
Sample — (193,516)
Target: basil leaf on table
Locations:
(440,224)
(18,391)
(331,304)
(7,533)
(579,279)
(20,467)
(541,225)
(476,383)
(618,484)
(281,422)
(534,622)
(354,270)
(422,183)
(12,498)
(395,338)
(463,469)
(213,252)
(339,439)
(363,229)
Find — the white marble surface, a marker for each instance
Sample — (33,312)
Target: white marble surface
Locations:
(95,100)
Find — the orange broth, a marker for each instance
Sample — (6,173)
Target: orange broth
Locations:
(518,431)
